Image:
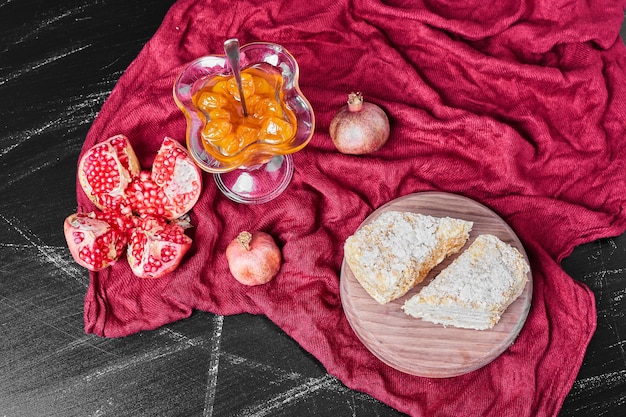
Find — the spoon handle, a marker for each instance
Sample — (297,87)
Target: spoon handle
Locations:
(231,47)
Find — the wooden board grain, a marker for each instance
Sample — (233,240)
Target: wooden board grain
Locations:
(418,347)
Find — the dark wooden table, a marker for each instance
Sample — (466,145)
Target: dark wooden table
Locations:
(58,63)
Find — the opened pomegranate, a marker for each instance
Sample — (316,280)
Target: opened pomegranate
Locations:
(156,247)
(109,174)
(95,242)
(253,258)
(140,206)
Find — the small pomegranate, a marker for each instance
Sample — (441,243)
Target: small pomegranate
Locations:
(156,247)
(94,242)
(359,127)
(253,258)
(141,206)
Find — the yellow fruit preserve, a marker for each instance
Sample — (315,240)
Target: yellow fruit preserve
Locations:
(269,121)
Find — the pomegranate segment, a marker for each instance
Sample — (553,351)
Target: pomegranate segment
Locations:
(137,207)
(178,176)
(173,186)
(105,170)
(156,247)
(93,242)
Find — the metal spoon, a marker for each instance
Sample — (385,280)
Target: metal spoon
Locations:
(231,47)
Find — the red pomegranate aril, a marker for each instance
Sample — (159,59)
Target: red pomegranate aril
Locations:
(78,237)
(152,266)
(120,144)
(102,180)
(168,253)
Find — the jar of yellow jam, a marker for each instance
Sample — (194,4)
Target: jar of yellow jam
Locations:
(227,129)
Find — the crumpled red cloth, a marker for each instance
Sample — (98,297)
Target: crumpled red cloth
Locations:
(520,105)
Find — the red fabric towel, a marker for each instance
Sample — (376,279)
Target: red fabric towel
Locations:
(519,105)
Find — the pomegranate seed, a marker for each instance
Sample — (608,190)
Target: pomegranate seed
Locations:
(78,237)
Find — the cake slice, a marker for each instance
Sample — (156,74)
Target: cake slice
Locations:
(475,289)
(398,249)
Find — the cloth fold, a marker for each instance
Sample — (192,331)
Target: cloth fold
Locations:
(519,105)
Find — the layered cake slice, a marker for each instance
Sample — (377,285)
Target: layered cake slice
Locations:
(475,289)
(398,249)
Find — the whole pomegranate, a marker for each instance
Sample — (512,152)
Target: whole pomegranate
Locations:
(359,127)
(253,258)
(139,208)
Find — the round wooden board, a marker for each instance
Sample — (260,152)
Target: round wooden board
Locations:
(418,347)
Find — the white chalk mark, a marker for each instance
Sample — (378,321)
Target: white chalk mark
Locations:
(36,65)
(110,64)
(619,344)
(9,148)
(181,338)
(604,381)
(618,296)
(352,405)
(276,375)
(48,255)
(37,29)
(70,117)
(102,411)
(603,273)
(44,358)
(15,142)
(45,24)
(602,280)
(27,310)
(279,375)
(136,360)
(30,172)
(216,341)
(26,246)
(295,394)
